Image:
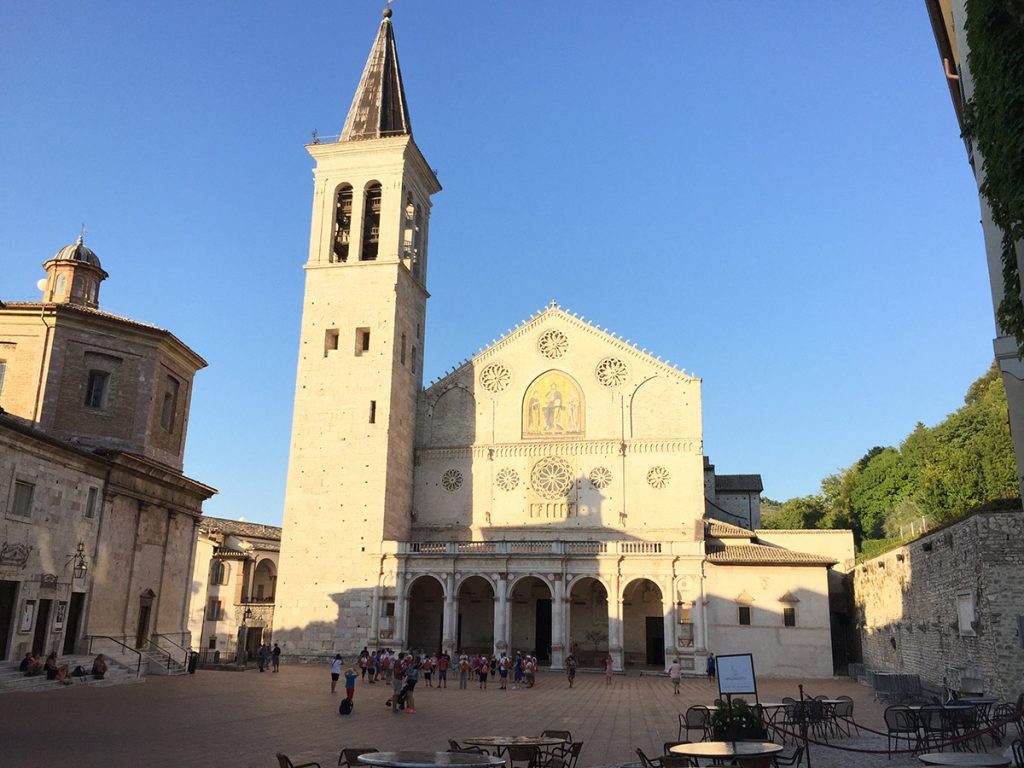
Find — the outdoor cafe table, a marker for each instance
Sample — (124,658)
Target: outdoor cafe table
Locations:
(409,759)
(750,753)
(964,760)
(502,743)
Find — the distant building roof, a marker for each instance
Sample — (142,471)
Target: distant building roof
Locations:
(758,554)
(240,528)
(738,483)
(719,530)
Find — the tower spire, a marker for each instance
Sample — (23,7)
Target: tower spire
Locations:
(379,108)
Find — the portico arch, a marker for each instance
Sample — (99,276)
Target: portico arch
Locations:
(474,632)
(426,614)
(530,600)
(643,623)
(588,621)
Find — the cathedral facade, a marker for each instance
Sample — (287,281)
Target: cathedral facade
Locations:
(549,496)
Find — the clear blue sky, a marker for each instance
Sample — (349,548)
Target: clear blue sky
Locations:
(772,195)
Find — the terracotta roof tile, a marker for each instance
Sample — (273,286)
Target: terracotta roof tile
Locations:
(240,528)
(758,554)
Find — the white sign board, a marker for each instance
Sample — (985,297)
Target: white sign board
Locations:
(736,674)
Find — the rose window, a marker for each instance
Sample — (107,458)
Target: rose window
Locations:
(600,477)
(612,372)
(495,378)
(551,477)
(658,477)
(452,480)
(553,344)
(507,479)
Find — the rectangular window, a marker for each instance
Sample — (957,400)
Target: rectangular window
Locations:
(362,340)
(170,404)
(23,493)
(3,372)
(744,614)
(414,359)
(373,411)
(330,340)
(213,643)
(403,350)
(90,503)
(213,610)
(96,389)
(965,613)
(789,617)
(389,608)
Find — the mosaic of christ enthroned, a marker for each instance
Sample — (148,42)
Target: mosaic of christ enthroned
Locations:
(553,407)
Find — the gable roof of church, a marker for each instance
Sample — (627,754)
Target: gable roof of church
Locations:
(553,310)
(379,108)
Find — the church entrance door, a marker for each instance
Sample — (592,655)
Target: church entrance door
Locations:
(529,617)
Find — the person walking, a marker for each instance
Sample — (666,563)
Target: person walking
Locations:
(503,665)
(412,676)
(463,671)
(442,670)
(335,671)
(261,657)
(674,671)
(609,670)
(570,669)
(276,656)
(711,668)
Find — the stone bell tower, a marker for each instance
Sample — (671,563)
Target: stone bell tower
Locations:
(349,493)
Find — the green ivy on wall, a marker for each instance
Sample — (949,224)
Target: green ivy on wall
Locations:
(994,120)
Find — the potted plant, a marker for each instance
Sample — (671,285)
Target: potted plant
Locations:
(736,721)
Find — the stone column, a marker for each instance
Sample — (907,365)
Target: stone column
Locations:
(450,614)
(615,649)
(401,608)
(671,651)
(558,643)
(501,616)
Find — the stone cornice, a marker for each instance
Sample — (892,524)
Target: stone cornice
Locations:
(563,448)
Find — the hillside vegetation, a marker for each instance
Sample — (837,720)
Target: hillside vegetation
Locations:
(936,475)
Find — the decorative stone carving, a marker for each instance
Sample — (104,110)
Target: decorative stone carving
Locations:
(612,372)
(600,477)
(14,554)
(551,477)
(553,344)
(495,378)
(553,407)
(507,479)
(658,477)
(452,480)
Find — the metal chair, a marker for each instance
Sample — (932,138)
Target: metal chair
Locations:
(284,762)
(453,746)
(843,712)
(932,724)
(900,724)
(789,761)
(1018,753)
(646,761)
(563,757)
(668,760)
(530,755)
(563,735)
(695,719)
(350,756)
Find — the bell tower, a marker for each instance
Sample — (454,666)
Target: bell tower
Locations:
(349,488)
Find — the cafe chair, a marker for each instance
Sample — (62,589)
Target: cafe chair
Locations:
(350,756)
(790,761)
(284,762)
(563,757)
(900,725)
(453,746)
(1018,753)
(695,719)
(668,760)
(521,753)
(646,761)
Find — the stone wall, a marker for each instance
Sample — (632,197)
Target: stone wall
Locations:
(915,605)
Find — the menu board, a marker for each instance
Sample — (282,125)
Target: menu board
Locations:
(736,674)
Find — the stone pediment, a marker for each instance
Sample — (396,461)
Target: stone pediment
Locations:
(552,344)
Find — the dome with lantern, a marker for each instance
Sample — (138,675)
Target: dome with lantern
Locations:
(73,276)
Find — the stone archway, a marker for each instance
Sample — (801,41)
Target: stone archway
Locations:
(474,631)
(529,617)
(643,624)
(426,614)
(588,621)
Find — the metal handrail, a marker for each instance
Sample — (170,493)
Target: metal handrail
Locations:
(138,666)
(170,658)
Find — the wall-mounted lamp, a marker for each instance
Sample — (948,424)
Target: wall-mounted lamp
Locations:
(247,615)
(81,567)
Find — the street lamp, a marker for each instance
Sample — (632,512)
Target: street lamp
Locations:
(81,567)
(247,615)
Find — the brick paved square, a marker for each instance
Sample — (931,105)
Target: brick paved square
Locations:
(241,719)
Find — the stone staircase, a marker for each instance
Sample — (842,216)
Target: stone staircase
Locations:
(11,679)
(159,661)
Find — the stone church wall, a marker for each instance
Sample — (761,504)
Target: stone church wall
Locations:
(915,605)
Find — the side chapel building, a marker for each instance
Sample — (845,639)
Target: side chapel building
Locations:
(550,495)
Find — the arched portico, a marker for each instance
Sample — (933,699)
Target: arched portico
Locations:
(643,624)
(426,614)
(530,613)
(474,632)
(588,621)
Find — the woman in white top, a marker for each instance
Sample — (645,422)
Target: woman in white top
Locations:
(335,671)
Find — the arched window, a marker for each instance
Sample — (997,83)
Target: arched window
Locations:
(62,287)
(417,244)
(219,572)
(371,223)
(78,286)
(408,246)
(342,223)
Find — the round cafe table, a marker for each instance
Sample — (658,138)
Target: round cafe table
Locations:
(409,759)
(748,753)
(501,743)
(964,759)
